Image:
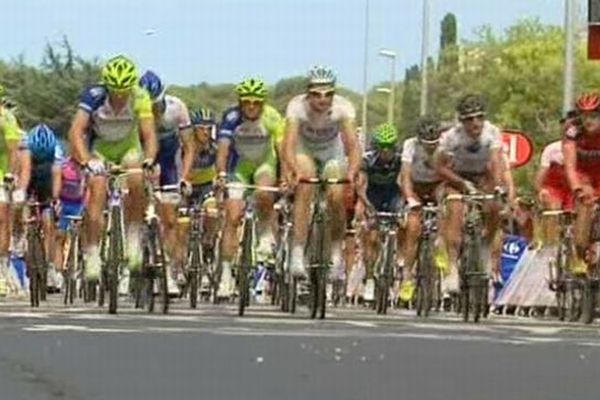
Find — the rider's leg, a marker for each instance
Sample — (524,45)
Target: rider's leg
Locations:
(4,243)
(303,195)
(453,237)
(549,225)
(135,206)
(411,242)
(265,175)
(234,210)
(94,225)
(336,169)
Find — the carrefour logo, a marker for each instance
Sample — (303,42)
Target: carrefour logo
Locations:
(512,250)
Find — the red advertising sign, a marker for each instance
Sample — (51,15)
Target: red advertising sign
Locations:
(517,146)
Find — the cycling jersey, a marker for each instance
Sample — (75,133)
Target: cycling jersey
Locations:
(174,118)
(9,131)
(72,193)
(469,155)
(40,184)
(319,133)
(421,161)
(115,134)
(253,143)
(555,180)
(203,168)
(588,150)
(382,187)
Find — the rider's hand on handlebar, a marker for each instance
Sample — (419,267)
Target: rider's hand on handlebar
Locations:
(469,187)
(18,196)
(185,188)
(585,194)
(220,180)
(95,166)
(412,203)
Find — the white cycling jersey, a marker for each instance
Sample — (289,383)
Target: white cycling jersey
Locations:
(470,155)
(552,154)
(422,168)
(320,132)
(174,118)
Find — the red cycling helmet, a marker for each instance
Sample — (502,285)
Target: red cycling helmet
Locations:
(588,102)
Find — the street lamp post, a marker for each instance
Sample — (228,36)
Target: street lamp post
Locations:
(391,55)
(424,56)
(365,68)
(569,57)
(388,92)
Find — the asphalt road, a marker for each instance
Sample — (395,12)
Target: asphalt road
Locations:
(210,353)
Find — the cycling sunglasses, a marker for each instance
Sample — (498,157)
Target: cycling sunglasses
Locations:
(473,117)
(322,93)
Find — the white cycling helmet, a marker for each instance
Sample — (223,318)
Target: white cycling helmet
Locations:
(321,75)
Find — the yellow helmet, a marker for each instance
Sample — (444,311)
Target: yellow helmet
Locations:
(119,73)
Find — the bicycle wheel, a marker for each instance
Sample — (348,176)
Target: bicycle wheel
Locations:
(317,268)
(589,300)
(424,279)
(34,262)
(148,278)
(194,265)
(115,252)
(244,266)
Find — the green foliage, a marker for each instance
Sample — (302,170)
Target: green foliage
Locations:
(519,71)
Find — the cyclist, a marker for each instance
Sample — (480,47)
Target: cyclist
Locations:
(248,140)
(199,170)
(199,155)
(172,122)
(69,192)
(581,156)
(10,138)
(378,189)
(420,183)
(320,140)
(45,157)
(469,158)
(116,114)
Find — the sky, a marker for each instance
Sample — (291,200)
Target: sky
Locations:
(227,40)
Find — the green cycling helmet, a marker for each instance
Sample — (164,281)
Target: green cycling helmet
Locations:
(386,136)
(119,73)
(252,88)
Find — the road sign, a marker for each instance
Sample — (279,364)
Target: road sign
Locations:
(517,146)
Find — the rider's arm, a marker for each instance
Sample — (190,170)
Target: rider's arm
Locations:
(405,178)
(405,181)
(148,136)
(24,167)
(497,166)
(570,162)
(540,177)
(222,154)
(290,141)
(77,136)
(509,182)
(443,162)
(352,146)
(189,152)
(56,181)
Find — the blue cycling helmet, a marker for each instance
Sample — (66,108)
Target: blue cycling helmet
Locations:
(152,83)
(41,142)
(203,116)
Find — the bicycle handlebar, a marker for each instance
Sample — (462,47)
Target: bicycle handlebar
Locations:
(326,181)
(239,185)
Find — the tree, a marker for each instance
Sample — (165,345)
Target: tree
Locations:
(448,32)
